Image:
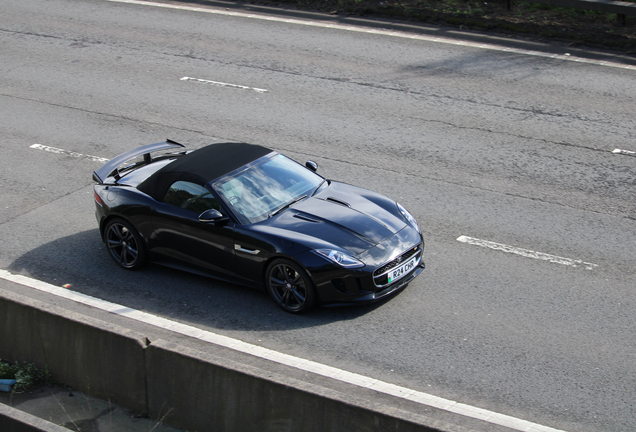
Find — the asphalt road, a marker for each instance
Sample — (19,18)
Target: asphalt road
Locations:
(509,147)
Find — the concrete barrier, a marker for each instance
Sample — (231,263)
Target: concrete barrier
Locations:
(90,355)
(183,387)
(197,391)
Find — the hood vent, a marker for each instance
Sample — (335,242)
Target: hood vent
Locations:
(337,201)
(306,218)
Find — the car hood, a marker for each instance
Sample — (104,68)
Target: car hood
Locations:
(340,215)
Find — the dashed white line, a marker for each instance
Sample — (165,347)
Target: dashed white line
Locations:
(222,84)
(285,359)
(526,252)
(393,33)
(68,153)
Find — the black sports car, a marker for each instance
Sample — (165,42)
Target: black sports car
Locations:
(247,214)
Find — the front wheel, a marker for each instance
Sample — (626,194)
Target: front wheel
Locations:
(124,244)
(290,286)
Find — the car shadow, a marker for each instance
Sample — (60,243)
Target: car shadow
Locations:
(82,261)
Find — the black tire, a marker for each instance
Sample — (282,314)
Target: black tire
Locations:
(124,244)
(290,286)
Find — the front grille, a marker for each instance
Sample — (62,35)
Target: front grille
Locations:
(380,275)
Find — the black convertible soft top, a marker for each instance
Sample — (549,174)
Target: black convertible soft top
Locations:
(202,166)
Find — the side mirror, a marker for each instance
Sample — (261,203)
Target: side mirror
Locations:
(212,215)
(312,165)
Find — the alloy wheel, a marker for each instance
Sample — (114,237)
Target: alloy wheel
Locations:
(123,245)
(290,287)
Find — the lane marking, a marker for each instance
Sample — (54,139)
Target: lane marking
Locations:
(393,33)
(68,153)
(284,359)
(526,252)
(624,152)
(222,84)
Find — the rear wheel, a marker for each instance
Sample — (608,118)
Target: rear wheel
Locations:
(124,244)
(290,286)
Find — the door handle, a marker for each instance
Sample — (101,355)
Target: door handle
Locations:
(249,251)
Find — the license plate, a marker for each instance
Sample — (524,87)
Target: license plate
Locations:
(402,270)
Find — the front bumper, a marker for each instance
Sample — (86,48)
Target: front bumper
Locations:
(340,286)
(388,290)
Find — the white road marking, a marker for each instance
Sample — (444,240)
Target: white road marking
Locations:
(68,153)
(525,252)
(393,33)
(284,359)
(624,152)
(222,84)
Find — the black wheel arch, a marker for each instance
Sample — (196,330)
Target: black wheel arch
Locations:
(105,220)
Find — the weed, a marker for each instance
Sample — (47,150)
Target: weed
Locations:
(27,375)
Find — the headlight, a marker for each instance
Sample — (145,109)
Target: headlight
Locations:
(409,217)
(339,258)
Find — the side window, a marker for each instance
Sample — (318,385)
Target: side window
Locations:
(191,196)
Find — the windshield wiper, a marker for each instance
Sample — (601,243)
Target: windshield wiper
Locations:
(287,205)
(318,188)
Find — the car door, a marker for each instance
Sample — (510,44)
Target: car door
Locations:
(179,236)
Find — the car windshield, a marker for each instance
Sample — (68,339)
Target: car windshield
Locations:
(265,188)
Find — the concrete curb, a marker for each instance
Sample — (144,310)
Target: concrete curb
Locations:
(15,420)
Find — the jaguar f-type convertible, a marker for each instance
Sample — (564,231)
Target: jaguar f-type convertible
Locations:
(249,215)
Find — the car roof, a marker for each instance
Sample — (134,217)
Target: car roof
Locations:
(215,160)
(202,166)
